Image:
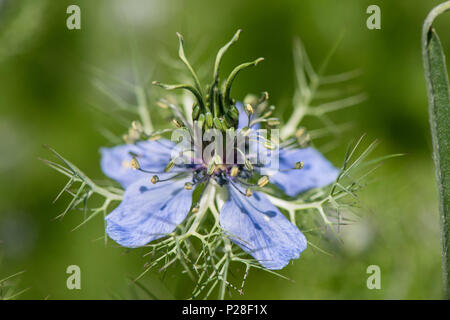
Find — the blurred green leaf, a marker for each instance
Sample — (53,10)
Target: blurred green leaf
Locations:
(439,113)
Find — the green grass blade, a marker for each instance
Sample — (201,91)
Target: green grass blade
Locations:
(439,114)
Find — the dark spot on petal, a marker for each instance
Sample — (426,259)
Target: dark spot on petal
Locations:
(175,192)
(257,227)
(270,214)
(143,189)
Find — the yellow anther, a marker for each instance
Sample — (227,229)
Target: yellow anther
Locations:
(263,181)
(234,171)
(133,134)
(298,165)
(135,164)
(136,125)
(248,165)
(300,132)
(155,179)
(267,114)
(195,208)
(304,140)
(126,139)
(155,137)
(269,145)
(177,123)
(162,105)
(188,186)
(273,122)
(248,192)
(249,108)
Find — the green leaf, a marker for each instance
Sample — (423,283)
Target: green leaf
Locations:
(439,113)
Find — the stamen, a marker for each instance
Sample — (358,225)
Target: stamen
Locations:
(134,134)
(303,137)
(154,138)
(273,122)
(155,179)
(188,186)
(177,123)
(196,207)
(234,171)
(169,166)
(162,105)
(248,165)
(268,113)
(127,139)
(268,144)
(263,181)
(298,165)
(300,132)
(264,97)
(135,164)
(248,192)
(304,140)
(136,125)
(249,109)
(239,190)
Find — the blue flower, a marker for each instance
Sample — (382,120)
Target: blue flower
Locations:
(151,209)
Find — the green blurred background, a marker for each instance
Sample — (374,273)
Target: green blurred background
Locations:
(46,92)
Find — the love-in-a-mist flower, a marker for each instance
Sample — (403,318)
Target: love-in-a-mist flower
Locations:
(160,176)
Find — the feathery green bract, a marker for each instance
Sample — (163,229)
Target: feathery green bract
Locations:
(8,286)
(439,113)
(317,95)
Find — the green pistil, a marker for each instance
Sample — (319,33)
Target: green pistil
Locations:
(216,108)
(233,75)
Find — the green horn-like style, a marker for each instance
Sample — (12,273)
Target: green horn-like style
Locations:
(233,75)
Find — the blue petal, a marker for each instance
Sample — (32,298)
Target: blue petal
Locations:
(154,156)
(317,171)
(243,118)
(148,212)
(261,230)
